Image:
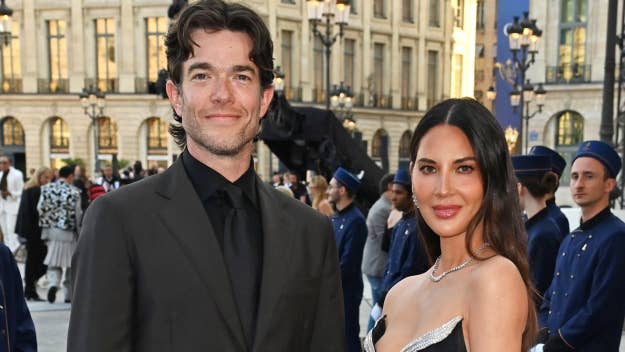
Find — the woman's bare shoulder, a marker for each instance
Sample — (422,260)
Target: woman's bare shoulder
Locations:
(497,305)
(494,274)
(405,289)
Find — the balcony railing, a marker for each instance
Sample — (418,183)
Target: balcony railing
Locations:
(381,101)
(408,103)
(145,86)
(55,86)
(11,85)
(293,93)
(567,74)
(107,85)
(358,100)
(318,95)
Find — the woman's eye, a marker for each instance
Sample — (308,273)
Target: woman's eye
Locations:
(465,169)
(427,169)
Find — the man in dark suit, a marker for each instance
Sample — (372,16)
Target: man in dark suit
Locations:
(206,256)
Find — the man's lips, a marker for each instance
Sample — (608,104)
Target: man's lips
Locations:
(446,211)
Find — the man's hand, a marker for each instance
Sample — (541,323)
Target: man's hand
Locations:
(5,194)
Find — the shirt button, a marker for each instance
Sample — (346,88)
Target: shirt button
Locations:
(572,236)
(589,236)
(572,276)
(566,294)
(558,273)
(549,312)
(563,254)
(553,293)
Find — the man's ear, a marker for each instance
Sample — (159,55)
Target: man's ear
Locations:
(610,183)
(174,95)
(265,100)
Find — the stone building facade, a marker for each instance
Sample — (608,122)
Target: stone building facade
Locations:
(398,57)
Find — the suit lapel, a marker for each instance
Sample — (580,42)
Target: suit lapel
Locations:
(277,238)
(184,217)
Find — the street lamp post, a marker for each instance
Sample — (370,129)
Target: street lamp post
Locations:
(93,102)
(523,40)
(342,101)
(328,9)
(6,23)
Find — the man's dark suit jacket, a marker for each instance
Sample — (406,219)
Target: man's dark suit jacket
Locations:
(149,275)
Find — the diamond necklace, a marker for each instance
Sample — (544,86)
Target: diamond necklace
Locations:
(460,266)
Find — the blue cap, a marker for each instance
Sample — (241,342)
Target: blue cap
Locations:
(531,165)
(603,152)
(347,179)
(557,162)
(402,177)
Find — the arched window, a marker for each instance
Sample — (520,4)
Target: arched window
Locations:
(379,149)
(59,136)
(157,136)
(569,134)
(107,136)
(12,133)
(404,150)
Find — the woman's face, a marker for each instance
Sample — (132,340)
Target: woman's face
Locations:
(45,178)
(447,181)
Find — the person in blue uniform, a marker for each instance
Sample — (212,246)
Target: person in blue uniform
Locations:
(584,307)
(350,230)
(18,330)
(535,183)
(406,255)
(557,165)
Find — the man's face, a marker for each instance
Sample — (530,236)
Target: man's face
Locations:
(108,172)
(4,163)
(333,193)
(293,179)
(589,186)
(77,171)
(400,198)
(220,99)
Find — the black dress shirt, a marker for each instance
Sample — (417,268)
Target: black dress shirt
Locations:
(245,269)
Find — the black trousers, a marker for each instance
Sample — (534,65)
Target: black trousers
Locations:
(36,251)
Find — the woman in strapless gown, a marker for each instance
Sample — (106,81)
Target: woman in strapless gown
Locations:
(476,296)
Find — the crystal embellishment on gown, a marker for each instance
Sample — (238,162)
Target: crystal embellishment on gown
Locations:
(428,339)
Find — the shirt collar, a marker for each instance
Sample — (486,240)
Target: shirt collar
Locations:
(346,209)
(588,224)
(207,181)
(543,213)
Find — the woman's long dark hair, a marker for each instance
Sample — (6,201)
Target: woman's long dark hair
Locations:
(500,211)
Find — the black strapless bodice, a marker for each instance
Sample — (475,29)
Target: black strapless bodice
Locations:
(447,338)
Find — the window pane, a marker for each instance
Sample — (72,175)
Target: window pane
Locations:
(350,47)
(406,63)
(582,10)
(287,56)
(432,83)
(105,54)
(434,15)
(568,10)
(156,28)
(378,68)
(404,145)
(59,136)
(318,70)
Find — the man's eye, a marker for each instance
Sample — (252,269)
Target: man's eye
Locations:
(243,78)
(199,76)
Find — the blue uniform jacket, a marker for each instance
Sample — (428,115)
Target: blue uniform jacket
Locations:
(558,216)
(406,255)
(544,238)
(585,301)
(350,230)
(19,336)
